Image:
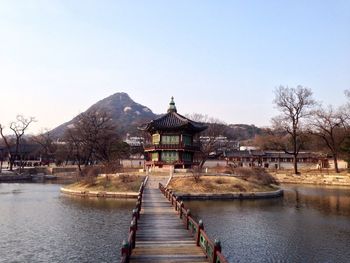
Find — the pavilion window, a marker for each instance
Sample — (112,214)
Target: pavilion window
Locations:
(170,139)
(187,140)
(170,157)
(155,138)
(187,156)
(155,157)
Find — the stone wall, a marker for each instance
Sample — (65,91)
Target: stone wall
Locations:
(318,179)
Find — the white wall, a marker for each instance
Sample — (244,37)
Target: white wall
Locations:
(131,163)
(214,163)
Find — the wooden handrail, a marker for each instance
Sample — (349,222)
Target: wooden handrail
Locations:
(211,249)
(130,244)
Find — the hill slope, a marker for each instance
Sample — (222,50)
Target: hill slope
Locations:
(125,113)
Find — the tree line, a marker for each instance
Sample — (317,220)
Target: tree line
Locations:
(302,124)
(92,139)
(305,124)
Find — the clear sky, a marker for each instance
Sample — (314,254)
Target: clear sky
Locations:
(221,58)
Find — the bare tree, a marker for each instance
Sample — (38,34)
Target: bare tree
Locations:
(295,104)
(18,128)
(47,145)
(328,124)
(73,140)
(94,138)
(209,143)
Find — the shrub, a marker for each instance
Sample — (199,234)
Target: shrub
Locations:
(220,181)
(196,174)
(255,175)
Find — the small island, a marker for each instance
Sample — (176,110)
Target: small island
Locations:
(115,186)
(250,185)
(216,184)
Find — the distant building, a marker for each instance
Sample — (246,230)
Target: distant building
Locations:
(248,148)
(172,140)
(221,144)
(134,141)
(275,159)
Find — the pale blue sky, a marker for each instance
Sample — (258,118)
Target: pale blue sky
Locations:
(221,58)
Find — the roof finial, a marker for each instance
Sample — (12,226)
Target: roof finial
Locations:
(172,107)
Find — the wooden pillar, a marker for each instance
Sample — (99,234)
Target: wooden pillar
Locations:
(125,250)
(133,230)
(200,226)
(217,248)
(181,206)
(188,213)
(135,216)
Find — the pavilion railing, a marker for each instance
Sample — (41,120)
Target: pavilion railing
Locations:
(211,249)
(129,244)
(193,147)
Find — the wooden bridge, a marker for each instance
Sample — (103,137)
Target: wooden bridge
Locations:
(162,230)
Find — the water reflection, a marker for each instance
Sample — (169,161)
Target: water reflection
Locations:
(37,224)
(309,224)
(328,200)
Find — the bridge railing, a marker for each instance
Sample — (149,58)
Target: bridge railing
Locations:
(129,244)
(211,249)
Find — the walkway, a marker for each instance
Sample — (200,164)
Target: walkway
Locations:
(161,235)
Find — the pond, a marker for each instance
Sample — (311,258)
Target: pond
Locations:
(309,224)
(38,224)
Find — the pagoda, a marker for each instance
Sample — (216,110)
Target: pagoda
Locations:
(172,140)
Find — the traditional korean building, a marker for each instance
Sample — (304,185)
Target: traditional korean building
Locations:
(275,159)
(172,140)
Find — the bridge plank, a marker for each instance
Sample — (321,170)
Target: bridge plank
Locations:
(161,235)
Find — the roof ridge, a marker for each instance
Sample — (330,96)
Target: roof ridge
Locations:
(181,117)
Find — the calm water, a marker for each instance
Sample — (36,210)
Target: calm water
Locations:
(37,224)
(309,224)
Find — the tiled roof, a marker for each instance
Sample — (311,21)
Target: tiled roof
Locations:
(270,154)
(173,121)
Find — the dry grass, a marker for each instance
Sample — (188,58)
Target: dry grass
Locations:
(216,184)
(123,183)
(255,175)
(160,173)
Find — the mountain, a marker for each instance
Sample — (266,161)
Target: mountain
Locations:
(125,113)
(241,132)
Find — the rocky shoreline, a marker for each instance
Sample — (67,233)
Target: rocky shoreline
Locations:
(103,194)
(314,179)
(230,196)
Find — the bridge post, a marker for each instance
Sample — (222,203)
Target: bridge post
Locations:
(188,213)
(176,203)
(125,250)
(139,199)
(181,206)
(200,227)
(138,206)
(133,230)
(217,248)
(135,215)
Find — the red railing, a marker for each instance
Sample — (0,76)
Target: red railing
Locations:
(157,163)
(152,147)
(129,244)
(211,249)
